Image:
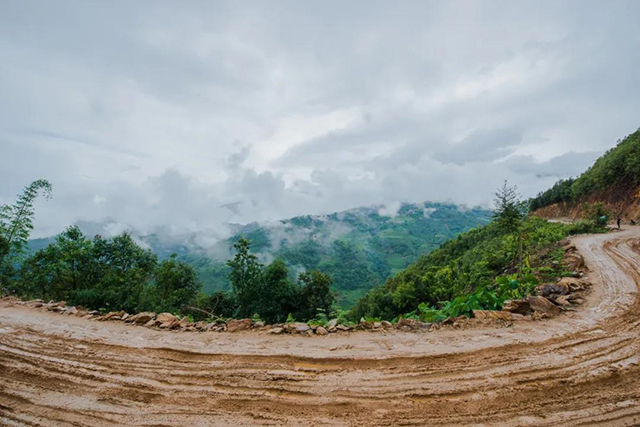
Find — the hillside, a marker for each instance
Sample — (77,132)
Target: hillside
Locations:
(359,248)
(613,180)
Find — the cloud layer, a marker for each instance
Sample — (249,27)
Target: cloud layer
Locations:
(192,116)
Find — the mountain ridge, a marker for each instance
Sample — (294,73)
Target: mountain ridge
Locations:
(359,247)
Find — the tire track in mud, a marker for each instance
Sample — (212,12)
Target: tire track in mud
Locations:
(581,369)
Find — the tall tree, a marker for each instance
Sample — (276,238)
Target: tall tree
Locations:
(176,284)
(16,223)
(316,295)
(508,209)
(245,276)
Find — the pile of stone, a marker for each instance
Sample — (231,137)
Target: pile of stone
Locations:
(168,321)
(334,327)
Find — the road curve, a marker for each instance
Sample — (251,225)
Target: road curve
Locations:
(580,369)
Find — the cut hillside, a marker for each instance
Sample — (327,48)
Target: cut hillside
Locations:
(613,181)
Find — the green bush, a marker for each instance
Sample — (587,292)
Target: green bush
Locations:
(478,270)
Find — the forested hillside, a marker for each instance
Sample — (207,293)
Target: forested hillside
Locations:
(613,180)
(479,269)
(359,248)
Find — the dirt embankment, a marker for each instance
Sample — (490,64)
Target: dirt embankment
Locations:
(618,200)
(580,368)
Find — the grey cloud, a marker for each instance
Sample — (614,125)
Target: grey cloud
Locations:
(190,116)
(480,146)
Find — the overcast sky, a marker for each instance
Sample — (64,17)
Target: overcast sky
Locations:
(190,115)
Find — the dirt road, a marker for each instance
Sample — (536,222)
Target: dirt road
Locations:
(579,369)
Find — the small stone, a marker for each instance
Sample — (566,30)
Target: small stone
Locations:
(200,326)
(543,306)
(548,289)
(150,323)
(125,317)
(238,325)
(365,325)
(321,331)
(165,317)
(492,315)
(517,306)
(170,324)
(110,315)
(301,327)
(331,323)
(143,318)
(377,325)
(386,324)
(275,331)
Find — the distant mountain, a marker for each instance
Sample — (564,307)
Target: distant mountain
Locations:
(359,247)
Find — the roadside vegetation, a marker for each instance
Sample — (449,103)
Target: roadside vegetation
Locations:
(112,274)
(479,269)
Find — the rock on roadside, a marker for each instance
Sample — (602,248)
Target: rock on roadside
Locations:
(543,306)
(239,325)
(518,306)
(492,315)
(143,318)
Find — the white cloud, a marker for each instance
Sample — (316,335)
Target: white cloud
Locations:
(191,116)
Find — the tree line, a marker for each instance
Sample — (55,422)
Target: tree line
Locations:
(116,273)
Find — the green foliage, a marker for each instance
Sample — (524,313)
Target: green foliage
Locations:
(277,295)
(219,305)
(508,209)
(316,295)
(597,213)
(321,319)
(268,291)
(245,276)
(619,167)
(477,270)
(357,248)
(560,192)
(106,273)
(176,284)
(16,223)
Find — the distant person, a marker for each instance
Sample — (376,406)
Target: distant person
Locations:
(619,223)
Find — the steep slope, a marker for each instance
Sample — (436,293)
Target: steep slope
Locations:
(613,180)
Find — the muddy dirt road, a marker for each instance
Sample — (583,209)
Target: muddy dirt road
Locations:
(579,369)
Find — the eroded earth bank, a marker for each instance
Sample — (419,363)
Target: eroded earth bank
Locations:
(581,368)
